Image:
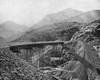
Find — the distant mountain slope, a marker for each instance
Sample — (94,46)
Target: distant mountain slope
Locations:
(87,17)
(49,34)
(2,41)
(58,17)
(62,15)
(11,30)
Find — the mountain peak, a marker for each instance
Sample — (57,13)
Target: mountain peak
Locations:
(71,9)
(59,16)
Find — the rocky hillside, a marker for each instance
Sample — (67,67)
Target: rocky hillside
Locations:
(13,67)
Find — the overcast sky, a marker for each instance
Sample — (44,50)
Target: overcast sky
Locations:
(28,12)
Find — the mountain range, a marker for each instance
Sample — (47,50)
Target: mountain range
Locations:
(52,23)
